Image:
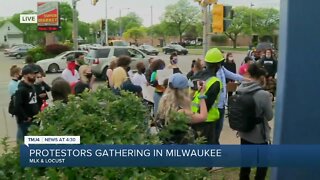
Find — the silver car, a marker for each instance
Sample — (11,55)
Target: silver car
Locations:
(99,58)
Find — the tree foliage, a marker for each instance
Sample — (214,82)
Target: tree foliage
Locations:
(262,21)
(181,15)
(129,21)
(135,33)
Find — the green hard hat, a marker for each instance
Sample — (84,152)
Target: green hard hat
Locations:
(214,55)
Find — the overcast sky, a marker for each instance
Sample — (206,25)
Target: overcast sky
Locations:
(90,13)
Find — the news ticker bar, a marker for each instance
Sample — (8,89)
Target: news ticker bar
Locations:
(39,155)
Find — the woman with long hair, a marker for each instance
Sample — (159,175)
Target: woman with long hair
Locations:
(112,66)
(176,99)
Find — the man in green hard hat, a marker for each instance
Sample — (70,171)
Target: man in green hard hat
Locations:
(213,60)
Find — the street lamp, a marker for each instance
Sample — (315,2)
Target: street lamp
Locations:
(120,23)
(251,5)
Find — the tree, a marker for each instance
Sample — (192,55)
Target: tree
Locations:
(162,30)
(267,22)
(264,22)
(129,21)
(30,32)
(239,24)
(135,33)
(182,15)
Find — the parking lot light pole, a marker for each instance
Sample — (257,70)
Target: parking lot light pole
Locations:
(75,24)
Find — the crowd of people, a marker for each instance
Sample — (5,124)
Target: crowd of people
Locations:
(202,94)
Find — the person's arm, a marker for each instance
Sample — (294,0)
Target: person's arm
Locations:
(232,76)
(19,106)
(212,94)
(109,74)
(46,87)
(266,105)
(203,114)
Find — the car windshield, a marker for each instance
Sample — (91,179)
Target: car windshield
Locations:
(178,46)
(148,47)
(61,54)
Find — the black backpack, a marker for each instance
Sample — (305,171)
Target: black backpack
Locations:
(242,112)
(11,108)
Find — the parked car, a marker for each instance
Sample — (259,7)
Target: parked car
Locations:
(149,50)
(100,58)
(175,48)
(14,48)
(57,63)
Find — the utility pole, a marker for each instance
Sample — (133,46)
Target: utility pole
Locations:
(75,24)
(151,25)
(205,29)
(106,25)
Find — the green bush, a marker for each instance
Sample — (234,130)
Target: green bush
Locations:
(219,38)
(99,118)
(50,51)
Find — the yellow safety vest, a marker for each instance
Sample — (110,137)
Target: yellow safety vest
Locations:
(213,112)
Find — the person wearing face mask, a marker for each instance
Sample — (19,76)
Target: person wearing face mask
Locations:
(260,134)
(16,76)
(70,74)
(270,65)
(230,65)
(174,63)
(26,106)
(86,80)
(41,89)
(139,79)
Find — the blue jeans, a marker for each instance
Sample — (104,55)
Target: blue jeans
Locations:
(156,100)
(22,130)
(220,124)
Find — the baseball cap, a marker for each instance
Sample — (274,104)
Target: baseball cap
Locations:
(179,81)
(71,58)
(29,69)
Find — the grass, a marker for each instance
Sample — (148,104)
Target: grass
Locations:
(233,174)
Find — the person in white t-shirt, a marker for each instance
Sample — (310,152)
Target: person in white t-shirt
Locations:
(70,74)
(139,79)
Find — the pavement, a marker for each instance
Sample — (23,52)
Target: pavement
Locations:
(8,127)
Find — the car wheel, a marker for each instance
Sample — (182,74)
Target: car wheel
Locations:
(18,56)
(104,74)
(53,68)
(185,53)
(165,52)
(156,54)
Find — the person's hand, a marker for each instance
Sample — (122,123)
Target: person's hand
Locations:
(201,86)
(43,95)
(29,119)
(247,79)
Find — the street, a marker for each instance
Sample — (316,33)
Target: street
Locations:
(8,124)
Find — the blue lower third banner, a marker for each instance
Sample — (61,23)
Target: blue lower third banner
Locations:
(170,155)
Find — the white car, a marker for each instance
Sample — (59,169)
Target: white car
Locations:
(58,63)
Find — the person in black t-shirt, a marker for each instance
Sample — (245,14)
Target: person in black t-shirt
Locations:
(41,88)
(86,80)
